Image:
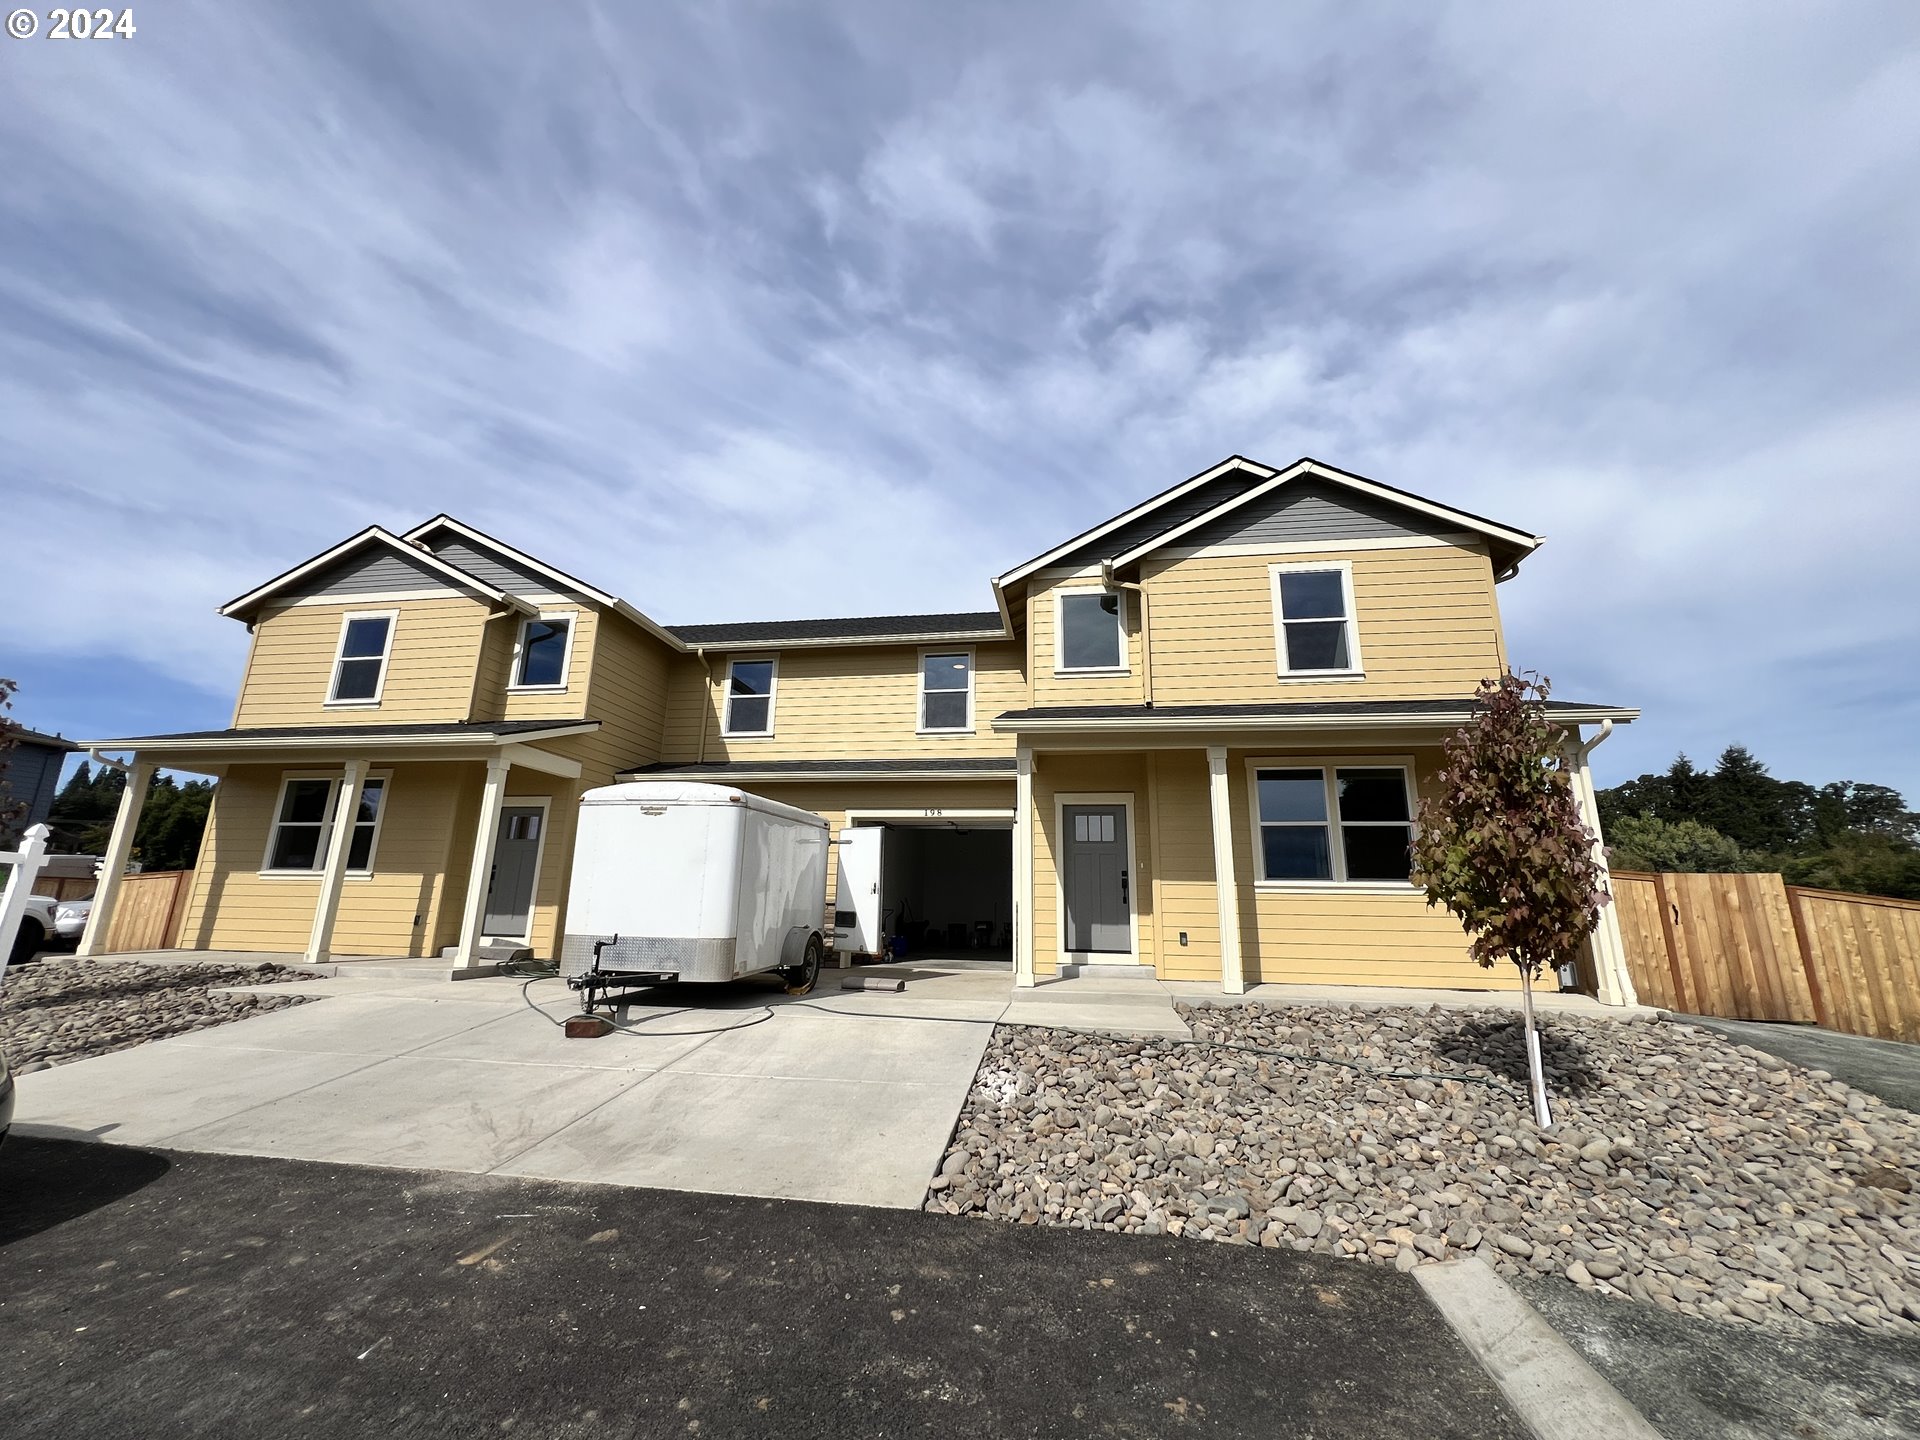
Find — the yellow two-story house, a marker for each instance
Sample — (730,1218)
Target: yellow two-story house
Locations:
(1190,739)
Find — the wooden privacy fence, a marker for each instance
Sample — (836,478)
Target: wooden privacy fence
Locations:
(146,916)
(1752,947)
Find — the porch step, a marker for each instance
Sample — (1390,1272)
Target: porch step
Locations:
(1099,971)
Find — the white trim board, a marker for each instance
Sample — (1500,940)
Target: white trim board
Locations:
(1279,550)
(920,691)
(1308,468)
(1062,955)
(372,535)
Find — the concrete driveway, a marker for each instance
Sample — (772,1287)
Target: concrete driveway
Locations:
(844,1096)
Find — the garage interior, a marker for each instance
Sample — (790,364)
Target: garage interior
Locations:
(947,890)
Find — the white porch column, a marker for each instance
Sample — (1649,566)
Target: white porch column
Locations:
(1023,866)
(1605,947)
(333,872)
(480,872)
(133,799)
(1233,980)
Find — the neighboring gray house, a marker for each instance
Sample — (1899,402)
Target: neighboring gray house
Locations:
(32,774)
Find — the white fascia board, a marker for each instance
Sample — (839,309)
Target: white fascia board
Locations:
(938,637)
(771,772)
(1307,468)
(520,557)
(344,738)
(372,535)
(1348,720)
(1040,562)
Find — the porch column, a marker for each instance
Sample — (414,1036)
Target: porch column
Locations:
(1605,947)
(333,873)
(1023,866)
(1226,884)
(133,799)
(480,872)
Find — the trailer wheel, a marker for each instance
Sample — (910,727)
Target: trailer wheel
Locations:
(801,978)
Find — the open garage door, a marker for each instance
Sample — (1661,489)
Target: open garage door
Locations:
(924,888)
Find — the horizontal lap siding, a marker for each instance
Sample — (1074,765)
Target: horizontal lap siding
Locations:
(1333,937)
(1427,621)
(1052,689)
(852,703)
(234,907)
(1186,896)
(436,648)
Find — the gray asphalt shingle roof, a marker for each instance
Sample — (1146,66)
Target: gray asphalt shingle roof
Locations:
(853,627)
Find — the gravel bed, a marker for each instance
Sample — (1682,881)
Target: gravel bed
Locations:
(56,1010)
(1683,1170)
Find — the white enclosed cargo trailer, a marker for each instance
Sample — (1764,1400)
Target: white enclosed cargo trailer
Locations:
(677,881)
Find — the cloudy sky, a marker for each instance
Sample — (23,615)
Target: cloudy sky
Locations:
(750,311)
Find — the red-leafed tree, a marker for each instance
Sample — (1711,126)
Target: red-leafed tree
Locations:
(1499,841)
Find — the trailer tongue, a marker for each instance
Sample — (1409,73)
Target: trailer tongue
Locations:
(677,882)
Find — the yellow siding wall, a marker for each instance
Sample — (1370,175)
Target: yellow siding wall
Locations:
(430,669)
(234,907)
(1052,689)
(1184,890)
(1347,938)
(1427,619)
(852,702)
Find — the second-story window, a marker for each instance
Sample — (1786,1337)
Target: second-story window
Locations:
(1090,631)
(1313,620)
(540,662)
(749,698)
(946,691)
(360,667)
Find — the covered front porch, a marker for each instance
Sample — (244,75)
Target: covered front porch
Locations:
(1220,848)
(364,843)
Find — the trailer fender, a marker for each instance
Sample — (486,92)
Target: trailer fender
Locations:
(793,949)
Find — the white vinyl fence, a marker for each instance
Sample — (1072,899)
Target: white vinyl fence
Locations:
(23,868)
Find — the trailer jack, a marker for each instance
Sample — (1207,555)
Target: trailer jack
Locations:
(595,984)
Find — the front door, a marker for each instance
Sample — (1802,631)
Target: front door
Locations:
(1093,872)
(516,859)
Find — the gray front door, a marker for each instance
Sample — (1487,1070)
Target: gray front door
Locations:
(1093,870)
(516,855)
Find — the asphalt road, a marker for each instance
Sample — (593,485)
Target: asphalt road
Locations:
(172,1294)
(1696,1379)
(1886,1068)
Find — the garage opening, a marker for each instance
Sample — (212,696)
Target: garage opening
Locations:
(939,889)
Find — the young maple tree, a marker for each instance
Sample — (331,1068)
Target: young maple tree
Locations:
(1499,841)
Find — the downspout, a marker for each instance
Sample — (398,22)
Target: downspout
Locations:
(1108,581)
(106,762)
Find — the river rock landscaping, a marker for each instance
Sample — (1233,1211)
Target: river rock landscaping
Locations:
(55,1010)
(1683,1170)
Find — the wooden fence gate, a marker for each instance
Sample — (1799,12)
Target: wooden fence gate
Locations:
(147,914)
(1751,947)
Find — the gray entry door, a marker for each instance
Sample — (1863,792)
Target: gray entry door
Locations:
(1094,871)
(516,854)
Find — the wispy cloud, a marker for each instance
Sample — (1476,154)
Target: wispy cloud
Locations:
(752,312)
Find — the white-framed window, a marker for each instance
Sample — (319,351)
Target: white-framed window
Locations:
(1314,628)
(303,819)
(946,692)
(1089,632)
(1326,822)
(543,652)
(749,698)
(360,657)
